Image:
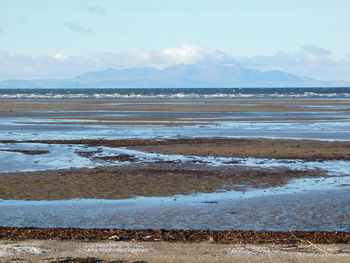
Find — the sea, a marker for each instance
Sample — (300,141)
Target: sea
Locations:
(178,93)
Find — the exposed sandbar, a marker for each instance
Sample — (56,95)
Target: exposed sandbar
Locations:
(160,179)
(258,148)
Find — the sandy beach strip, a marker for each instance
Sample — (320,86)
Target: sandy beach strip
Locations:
(52,251)
(135,246)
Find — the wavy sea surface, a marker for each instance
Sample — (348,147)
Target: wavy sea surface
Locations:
(188,93)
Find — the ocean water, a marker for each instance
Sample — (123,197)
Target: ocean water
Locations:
(179,93)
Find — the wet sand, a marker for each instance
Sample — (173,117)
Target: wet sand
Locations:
(132,123)
(258,148)
(169,118)
(162,179)
(171,112)
(167,178)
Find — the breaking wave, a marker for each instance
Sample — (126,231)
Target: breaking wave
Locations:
(218,93)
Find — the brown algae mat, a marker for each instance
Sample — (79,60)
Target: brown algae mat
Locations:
(156,235)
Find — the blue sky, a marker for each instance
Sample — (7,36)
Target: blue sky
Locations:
(266,34)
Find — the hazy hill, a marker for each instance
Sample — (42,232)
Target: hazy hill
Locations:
(180,76)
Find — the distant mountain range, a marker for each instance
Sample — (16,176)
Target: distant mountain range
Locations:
(179,76)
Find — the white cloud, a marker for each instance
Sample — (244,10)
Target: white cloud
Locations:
(195,55)
(309,61)
(60,57)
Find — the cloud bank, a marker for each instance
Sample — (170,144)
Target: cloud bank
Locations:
(310,61)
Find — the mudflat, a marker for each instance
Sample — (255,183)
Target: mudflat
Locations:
(258,148)
(162,179)
(166,178)
(167,112)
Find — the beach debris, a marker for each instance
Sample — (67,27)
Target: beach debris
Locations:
(232,236)
(13,249)
(114,237)
(311,244)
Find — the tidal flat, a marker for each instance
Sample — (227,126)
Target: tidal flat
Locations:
(66,119)
(218,165)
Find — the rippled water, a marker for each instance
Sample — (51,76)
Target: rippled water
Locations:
(320,210)
(180,93)
(321,130)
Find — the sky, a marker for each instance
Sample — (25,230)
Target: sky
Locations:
(65,38)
